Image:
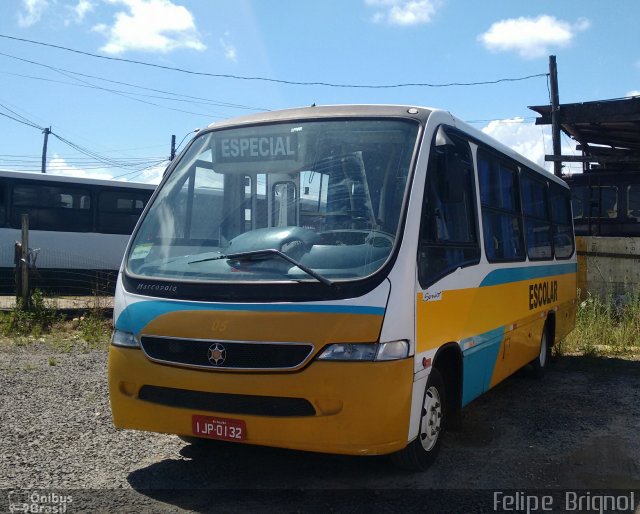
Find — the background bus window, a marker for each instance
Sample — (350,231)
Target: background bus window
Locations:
(118,211)
(284,201)
(536,217)
(633,202)
(603,202)
(561,218)
(313,199)
(206,207)
(65,209)
(577,201)
(3,204)
(448,227)
(501,218)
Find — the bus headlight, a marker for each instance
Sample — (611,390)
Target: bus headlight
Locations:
(125,339)
(392,350)
(349,352)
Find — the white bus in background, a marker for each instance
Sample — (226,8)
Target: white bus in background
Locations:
(80,226)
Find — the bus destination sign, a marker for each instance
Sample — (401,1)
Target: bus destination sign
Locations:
(272,147)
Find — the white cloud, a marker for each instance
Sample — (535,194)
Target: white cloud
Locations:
(635,92)
(531,37)
(530,140)
(80,10)
(152,175)
(151,26)
(32,12)
(230,51)
(404,12)
(58,166)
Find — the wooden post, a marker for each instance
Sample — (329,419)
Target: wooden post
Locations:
(555,114)
(17,255)
(24,262)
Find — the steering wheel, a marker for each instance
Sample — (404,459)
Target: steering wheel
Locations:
(378,239)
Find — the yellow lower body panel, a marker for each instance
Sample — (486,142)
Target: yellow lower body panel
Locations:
(362,408)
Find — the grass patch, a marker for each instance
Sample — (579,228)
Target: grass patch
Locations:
(605,328)
(42,323)
(94,327)
(38,320)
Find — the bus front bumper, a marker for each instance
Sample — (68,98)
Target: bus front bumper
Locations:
(359,408)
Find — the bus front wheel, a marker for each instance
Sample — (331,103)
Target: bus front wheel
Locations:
(422,451)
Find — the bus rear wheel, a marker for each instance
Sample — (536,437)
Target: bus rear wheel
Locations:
(422,451)
(540,363)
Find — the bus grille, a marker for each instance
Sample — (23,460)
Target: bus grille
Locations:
(227,403)
(221,355)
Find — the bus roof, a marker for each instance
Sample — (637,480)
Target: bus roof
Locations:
(420,114)
(46,177)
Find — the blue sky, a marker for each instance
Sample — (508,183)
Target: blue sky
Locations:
(358,42)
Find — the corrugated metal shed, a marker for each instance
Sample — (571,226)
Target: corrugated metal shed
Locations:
(607,131)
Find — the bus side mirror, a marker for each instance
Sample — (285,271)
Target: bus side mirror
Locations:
(443,140)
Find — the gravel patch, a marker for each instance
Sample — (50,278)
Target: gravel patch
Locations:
(576,428)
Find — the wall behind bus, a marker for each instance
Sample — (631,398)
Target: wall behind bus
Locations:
(608,266)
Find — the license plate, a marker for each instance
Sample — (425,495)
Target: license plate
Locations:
(219,428)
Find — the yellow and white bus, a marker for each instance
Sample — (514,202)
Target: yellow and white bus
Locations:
(340,279)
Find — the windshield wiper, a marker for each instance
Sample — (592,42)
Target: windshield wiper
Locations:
(268,252)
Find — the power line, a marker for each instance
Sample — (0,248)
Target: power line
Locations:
(20,121)
(272,80)
(216,103)
(89,153)
(92,86)
(20,118)
(128,94)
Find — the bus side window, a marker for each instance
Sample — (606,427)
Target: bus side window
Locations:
(118,211)
(3,205)
(535,205)
(561,217)
(501,219)
(59,208)
(448,234)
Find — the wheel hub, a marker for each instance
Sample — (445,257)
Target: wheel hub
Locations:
(431,419)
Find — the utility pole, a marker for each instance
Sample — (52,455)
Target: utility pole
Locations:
(46,133)
(555,115)
(173,147)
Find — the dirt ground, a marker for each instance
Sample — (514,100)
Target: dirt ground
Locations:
(577,428)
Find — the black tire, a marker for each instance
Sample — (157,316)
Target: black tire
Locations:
(541,362)
(422,451)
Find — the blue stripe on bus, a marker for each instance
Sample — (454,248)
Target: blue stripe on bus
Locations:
(479,361)
(137,315)
(507,275)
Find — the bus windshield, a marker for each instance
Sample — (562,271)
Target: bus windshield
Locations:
(314,200)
